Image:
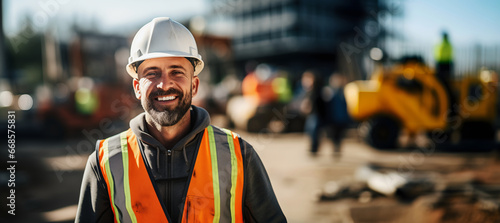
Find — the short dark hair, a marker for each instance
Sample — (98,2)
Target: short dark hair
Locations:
(193,62)
(136,65)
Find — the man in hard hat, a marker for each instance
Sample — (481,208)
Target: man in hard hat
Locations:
(172,165)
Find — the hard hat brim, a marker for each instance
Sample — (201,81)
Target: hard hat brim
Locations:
(131,71)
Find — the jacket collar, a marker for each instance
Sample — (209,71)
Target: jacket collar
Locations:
(199,121)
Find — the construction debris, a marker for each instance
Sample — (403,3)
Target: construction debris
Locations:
(426,196)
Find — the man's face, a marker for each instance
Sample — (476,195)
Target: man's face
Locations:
(166,87)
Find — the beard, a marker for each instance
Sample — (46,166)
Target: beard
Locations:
(164,115)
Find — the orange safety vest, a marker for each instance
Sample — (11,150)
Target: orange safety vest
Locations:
(215,188)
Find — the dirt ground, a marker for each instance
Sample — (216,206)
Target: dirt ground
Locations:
(467,184)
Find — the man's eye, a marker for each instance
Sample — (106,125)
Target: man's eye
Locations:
(177,72)
(150,74)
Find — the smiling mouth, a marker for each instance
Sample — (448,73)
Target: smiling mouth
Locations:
(166,98)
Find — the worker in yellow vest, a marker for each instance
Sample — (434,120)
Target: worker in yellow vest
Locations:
(172,165)
(443,54)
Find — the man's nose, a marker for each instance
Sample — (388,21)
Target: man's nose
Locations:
(165,83)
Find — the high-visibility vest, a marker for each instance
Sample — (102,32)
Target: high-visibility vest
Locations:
(443,52)
(215,188)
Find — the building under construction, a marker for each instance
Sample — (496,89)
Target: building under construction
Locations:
(297,34)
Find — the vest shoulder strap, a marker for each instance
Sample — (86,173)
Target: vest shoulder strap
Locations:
(215,190)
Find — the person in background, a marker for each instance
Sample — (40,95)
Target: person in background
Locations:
(171,165)
(314,107)
(338,118)
(443,54)
(258,85)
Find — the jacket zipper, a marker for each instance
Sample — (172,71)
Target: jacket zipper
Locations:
(169,175)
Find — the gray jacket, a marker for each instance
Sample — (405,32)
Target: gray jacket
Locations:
(172,172)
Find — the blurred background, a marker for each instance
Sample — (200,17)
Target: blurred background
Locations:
(362,110)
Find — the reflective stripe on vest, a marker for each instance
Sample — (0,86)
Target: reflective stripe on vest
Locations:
(215,188)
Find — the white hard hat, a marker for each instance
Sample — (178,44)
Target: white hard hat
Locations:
(163,37)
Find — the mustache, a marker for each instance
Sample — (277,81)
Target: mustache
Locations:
(167,92)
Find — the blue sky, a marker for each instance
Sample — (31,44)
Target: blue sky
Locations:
(467,21)
(113,15)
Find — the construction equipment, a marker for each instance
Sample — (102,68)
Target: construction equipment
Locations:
(408,96)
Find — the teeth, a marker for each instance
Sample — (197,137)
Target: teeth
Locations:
(166,98)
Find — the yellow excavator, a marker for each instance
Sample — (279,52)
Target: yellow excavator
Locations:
(408,96)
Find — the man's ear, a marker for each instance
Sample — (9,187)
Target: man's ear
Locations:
(137,92)
(195,84)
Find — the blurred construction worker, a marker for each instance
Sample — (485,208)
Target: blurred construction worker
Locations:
(259,85)
(444,58)
(171,165)
(338,118)
(314,107)
(443,54)
(282,88)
